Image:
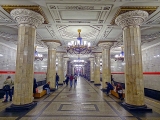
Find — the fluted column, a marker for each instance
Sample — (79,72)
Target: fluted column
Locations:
(97,69)
(91,69)
(23,84)
(60,68)
(51,65)
(65,65)
(106,67)
(134,84)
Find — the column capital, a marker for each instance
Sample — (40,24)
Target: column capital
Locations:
(25,16)
(97,54)
(52,44)
(60,54)
(106,45)
(91,58)
(66,58)
(131,18)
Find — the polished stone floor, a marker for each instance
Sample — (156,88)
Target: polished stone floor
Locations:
(84,102)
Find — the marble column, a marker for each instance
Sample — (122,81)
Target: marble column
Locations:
(60,71)
(91,69)
(51,65)
(27,21)
(106,67)
(134,84)
(97,69)
(66,65)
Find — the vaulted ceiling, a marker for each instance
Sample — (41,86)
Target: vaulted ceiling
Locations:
(94,17)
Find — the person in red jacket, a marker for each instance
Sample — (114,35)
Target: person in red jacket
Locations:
(71,80)
(119,90)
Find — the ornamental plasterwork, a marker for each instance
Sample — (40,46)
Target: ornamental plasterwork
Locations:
(124,9)
(51,31)
(98,13)
(106,33)
(24,16)
(155,19)
(88,32)
(5,18)
(132,18)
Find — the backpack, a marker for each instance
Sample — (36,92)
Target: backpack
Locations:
(6,87)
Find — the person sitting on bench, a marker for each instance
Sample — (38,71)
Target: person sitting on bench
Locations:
(109,87)
(47,88)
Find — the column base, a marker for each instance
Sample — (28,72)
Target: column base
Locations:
(97,84)
(60,83)
(92,81)
(53,89)
(103,90)
(24,107)
(143,108)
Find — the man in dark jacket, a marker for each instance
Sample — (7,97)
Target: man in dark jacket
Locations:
(109,87)
(47,88)
(57,79)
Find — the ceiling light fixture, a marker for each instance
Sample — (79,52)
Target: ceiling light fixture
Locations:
(120,56)
(37,56)
(79,46)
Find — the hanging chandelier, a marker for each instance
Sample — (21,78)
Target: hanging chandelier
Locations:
(120,56)
(79,46)
(37,56)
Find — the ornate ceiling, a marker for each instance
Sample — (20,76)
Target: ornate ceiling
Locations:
(94,17)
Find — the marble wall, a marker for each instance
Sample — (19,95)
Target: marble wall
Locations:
(151,68)
(8,63)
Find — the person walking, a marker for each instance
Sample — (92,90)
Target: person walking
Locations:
(67,79)
(75,80)
(57,79)
(8,84)
(71,81)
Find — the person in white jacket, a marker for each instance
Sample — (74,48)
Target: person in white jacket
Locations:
(8,82)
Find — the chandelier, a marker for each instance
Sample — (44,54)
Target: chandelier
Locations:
(79,46)
(37,56)
(120,56)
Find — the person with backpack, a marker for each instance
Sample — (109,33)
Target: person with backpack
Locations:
(57,79)
(109,87)
(8,84)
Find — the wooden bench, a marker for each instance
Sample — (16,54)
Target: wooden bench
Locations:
(40,93)
(114,93)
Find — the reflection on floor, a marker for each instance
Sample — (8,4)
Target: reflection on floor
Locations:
(84,102)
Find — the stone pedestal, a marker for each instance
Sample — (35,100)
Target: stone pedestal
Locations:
(91,69)
(106,67)
(97,69)
(134,84)
(51,65)
(23,85)
(60,70)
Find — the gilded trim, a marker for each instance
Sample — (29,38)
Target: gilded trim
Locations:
(124,9)
(35,8)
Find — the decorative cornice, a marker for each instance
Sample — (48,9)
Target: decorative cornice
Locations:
(131,18)
(35,8)
(52,45)
(124,9)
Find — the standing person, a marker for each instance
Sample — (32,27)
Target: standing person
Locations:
(71,80)
(34,85)
(47,88)
(119,90)
(57,79)
(67,79)
(109,87)
(75,80)
(8,84)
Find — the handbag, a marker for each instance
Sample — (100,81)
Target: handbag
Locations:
(6,87)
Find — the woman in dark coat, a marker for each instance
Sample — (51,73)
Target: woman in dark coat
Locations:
(34,85)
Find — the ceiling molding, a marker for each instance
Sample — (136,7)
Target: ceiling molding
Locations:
(35,8)
(124,9)
(57,41)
